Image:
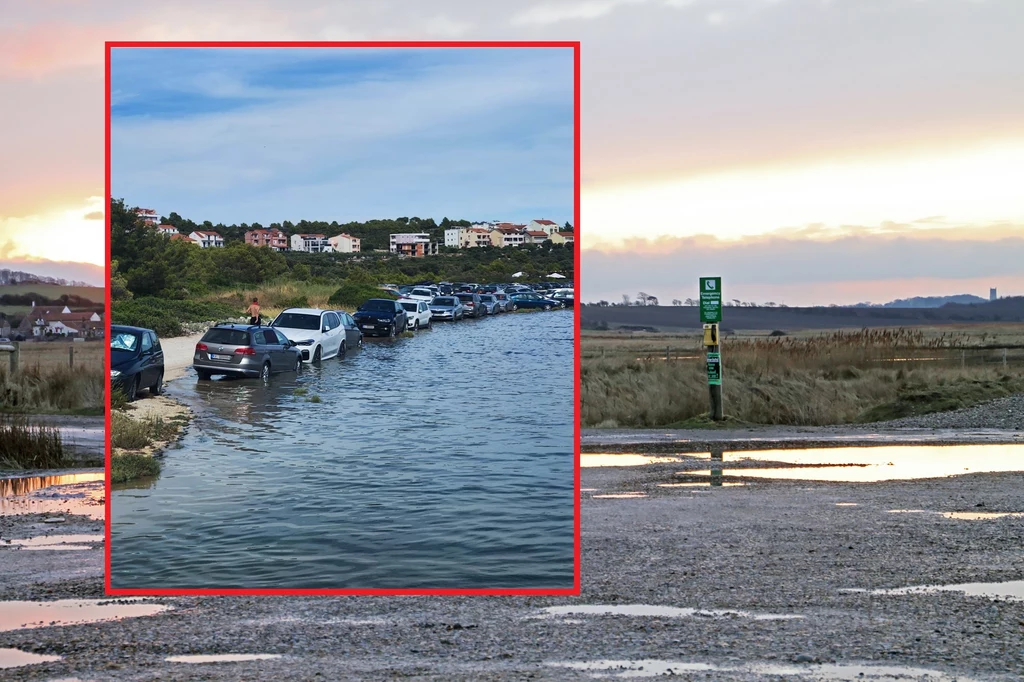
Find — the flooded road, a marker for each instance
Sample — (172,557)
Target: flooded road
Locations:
(442,460)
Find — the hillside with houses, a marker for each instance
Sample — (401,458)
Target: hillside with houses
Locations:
(412,237)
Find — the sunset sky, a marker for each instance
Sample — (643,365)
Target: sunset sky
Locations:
(808,151)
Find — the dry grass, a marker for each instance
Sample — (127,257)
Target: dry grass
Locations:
(54,355)
(57,390)
(812,379)
(276,297)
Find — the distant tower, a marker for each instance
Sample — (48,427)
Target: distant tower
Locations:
(991,294)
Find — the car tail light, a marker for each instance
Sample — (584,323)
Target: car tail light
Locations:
(245,351)
(202,346)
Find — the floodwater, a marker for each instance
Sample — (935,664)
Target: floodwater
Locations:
(1011,590)
(221,658)
(655,611)
(64,493)
(444,460)
(868,465)
(16,658)
(71,541)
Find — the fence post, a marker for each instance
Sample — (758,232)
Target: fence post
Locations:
(15,357)
(71,356)
(963,358)
(1004,358)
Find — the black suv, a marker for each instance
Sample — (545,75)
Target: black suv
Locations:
(244,350)
(381,317)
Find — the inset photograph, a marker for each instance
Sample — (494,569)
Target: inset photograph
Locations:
(343,333)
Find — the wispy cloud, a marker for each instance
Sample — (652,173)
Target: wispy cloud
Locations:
(346,134)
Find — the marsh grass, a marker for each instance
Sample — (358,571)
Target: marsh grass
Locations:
(127,433)
(60,389)
(830,378)
(24,446)
(130,466)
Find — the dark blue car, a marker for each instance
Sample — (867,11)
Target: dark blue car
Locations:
(136,361)
(534,301)
(381,317)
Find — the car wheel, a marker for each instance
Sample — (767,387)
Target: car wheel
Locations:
(393,330)
(360,340)
(343,350)
(203,375)
(317,354)
(547,306)
(515,306)
(158,386)
(430,323)
(265,372)
(416,325)
(136,386)
(298,363)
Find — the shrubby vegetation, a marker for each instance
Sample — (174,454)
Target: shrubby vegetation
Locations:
(161,283)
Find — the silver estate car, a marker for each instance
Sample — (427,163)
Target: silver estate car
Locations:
(243,350)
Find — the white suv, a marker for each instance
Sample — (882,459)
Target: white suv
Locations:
(421,294)
(319,334)
(417,313)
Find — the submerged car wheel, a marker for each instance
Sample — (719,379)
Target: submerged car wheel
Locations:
(343,350)
(298,363)
(416,325)
(515,306)
(393,330)
(547,306)
(317,355)
(203,374)
(265,372)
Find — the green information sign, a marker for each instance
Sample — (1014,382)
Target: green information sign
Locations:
(714,369)
(710,299)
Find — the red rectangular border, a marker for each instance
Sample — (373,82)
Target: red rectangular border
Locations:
(496,592)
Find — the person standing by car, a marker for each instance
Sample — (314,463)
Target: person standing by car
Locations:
(254,312)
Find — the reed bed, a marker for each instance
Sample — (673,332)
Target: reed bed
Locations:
(34,388)
(25,446)
(825,378)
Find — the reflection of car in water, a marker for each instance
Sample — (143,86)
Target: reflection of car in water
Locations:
(318,333)
(136,361)
(418,314)
(381,317)
(243,350)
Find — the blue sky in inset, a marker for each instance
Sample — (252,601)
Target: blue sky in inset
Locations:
(270,134)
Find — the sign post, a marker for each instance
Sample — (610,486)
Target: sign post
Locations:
(711,315)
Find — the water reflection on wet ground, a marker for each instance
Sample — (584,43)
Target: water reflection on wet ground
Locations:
(655,611)
(62,493)
(19,615)
(221,658)
(833,672)
(442,460)
(15,658)
(1012,590)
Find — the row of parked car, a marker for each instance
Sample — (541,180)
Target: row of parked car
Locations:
(307,335)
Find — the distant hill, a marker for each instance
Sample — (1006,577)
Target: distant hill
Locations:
(925,301)
(1009,309)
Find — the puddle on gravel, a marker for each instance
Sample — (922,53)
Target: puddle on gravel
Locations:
(15,658)
(1012,590)
(847,504)
(20,615)
(619,496)
(73,493)
(654,611)
(701,484)
(221,658)
(837,672)
(601,459)
(55,542)
(961,516)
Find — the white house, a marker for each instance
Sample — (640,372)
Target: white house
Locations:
(453,237)
(167,230)
(207,240)
(548,226)
(344,243)
(148,215)
(476,236)
(312,243)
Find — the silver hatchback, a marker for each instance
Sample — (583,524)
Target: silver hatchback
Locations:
(244,350)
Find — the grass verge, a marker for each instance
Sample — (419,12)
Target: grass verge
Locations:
(129,466)
(127,433)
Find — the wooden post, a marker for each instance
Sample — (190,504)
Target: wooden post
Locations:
(15,357)
(717,411)
(1004,358)
(963,358)
(71,356)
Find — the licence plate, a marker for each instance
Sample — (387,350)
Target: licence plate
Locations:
(367,326)
(219,357)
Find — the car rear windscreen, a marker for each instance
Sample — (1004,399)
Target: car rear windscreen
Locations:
(228,337)
(297,321)
(465,297)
